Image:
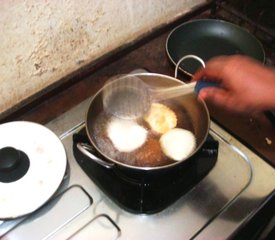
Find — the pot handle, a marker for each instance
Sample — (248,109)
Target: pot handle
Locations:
(199,84)
(184,58)
(87,149)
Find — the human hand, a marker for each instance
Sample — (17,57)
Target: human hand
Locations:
(245,84)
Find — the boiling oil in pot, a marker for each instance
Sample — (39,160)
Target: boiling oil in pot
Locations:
(150,153)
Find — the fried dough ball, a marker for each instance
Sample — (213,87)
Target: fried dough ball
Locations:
(160,118)
(126,135)
(178,143)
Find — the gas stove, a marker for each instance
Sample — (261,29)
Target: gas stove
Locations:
(229,194)
(235,189)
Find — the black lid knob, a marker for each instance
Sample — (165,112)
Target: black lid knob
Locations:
(9,159)
(14,164)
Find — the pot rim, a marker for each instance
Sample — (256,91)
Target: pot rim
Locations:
(115,162)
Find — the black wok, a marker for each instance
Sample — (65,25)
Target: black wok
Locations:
(207,38)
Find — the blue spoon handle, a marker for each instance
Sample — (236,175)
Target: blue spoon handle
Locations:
(203,84)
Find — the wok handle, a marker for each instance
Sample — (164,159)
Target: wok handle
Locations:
(87,149)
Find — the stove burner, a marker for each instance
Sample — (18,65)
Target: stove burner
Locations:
(149,194)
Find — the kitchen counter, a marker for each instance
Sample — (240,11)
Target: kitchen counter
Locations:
(256,130)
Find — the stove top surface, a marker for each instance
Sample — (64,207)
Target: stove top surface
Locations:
(146,193)
(234,189)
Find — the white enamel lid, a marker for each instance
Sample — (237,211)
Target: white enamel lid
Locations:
(48,162)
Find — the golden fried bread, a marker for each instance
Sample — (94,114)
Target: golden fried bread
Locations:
(160,118)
